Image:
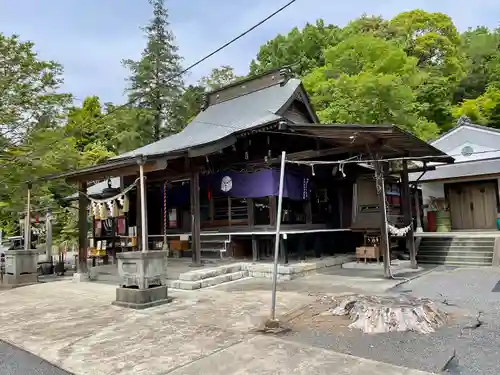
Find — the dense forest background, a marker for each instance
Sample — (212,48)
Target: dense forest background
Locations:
(415,70)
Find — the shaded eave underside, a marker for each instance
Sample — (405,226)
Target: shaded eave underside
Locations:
(115,165)
(392,141)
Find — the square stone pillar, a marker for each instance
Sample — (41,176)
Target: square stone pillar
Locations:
(143,279)
(20,267)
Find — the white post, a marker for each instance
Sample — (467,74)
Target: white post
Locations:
(48,232)
(277,238)
(144,235)
(417,209)
(27,221)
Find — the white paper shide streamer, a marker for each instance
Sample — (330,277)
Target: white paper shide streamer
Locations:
(114,206)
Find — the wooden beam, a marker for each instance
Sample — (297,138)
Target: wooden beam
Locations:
(310,154)
(195,217)
(251,212)
(82,227)
(138,215)
(410,240)
(121,172)
(384,242)
(273,210)
(413,170)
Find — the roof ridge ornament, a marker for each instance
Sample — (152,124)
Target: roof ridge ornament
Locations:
(204,102)
(285,75)
(464,120)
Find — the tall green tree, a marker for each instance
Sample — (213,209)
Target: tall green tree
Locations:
(302,49)
(481,47)
(155,82)
(368,80)
(29,88)
(219,77)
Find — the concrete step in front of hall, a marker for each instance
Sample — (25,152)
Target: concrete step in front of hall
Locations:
(456,258)
(206,277)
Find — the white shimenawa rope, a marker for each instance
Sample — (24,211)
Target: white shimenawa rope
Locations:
(400,232)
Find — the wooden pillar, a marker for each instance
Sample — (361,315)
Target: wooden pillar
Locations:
(82,227)
(273,210)
(410,240)
(302,246)
(251,212)
(195,218)
(418,210)
(138,215)
(308,211)
(255,248)
(384,237)
(284,249)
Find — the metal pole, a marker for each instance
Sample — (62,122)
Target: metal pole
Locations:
(27,221)
(384,232)
(277,238)
(143,208)
(48,231)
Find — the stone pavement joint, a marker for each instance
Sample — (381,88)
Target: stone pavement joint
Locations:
(74,326)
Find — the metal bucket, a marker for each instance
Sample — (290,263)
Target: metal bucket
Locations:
(443,221)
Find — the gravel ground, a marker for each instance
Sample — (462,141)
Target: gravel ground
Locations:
(477,351)
(14,361)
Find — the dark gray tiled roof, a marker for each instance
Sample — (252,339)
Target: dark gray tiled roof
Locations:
(464,169)
(224,119)
(98,188)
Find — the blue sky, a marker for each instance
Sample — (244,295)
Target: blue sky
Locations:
(91,37)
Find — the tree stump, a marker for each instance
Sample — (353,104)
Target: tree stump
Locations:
(377,314)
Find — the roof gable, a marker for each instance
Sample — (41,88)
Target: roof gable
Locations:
(467,141)
(227,117)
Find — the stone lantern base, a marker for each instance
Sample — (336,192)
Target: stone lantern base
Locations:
(20,268)
(143,278)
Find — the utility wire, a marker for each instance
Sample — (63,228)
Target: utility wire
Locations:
(177,74)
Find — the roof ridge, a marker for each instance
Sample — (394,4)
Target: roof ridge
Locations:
(462,122)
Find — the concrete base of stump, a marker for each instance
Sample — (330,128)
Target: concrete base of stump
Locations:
(135,298)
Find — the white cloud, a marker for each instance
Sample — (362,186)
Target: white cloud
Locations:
(90,40)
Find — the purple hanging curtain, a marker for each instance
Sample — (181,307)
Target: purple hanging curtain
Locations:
(259,184)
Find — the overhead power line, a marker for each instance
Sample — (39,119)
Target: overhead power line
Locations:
(115,109)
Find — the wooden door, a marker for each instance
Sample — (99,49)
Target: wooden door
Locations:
(483,205)
(459,208)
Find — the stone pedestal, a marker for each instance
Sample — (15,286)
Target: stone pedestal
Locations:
(20,267)
(143,278)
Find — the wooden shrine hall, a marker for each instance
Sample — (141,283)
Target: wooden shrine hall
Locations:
(211,190)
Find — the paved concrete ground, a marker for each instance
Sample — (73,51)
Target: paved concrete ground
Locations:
(14,361)
(478,351)
(203,332)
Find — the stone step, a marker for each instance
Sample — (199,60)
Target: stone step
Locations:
(207,282)
(457,254)
(460,242)
(215,237)
(455,260)
(205,273)
(456,249)
(467,254)
(454,263)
